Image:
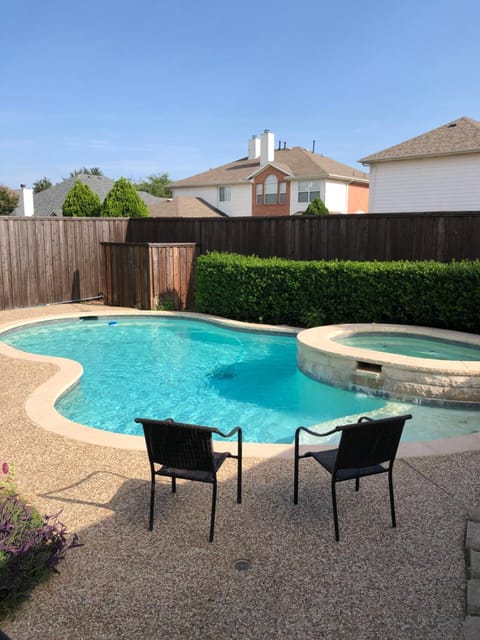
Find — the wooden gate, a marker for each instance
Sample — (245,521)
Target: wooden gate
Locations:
(149,275)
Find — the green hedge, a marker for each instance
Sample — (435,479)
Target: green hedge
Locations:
(298,293)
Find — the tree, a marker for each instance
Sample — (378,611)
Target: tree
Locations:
(8,201)
(316,208)
(123,201)
(93,171)
(81,201)
(157,185)
(41,185)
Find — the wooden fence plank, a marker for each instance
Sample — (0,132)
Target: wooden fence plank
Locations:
(44,260)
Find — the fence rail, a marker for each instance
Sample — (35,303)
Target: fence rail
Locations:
(46,260)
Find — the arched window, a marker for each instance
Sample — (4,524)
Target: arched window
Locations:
(271,189)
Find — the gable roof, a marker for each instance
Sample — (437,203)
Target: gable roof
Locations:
(50,201)
(459,136)
(185,207)
(297,162)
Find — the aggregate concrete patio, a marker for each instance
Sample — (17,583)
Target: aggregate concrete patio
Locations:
(126,582)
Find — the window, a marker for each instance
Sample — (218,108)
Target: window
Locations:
(308,190)
(271,191)
(224,194)
(271,188)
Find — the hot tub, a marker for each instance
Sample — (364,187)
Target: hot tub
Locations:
(423,380)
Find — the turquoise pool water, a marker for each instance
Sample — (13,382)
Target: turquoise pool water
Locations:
(195,371)
(412,345)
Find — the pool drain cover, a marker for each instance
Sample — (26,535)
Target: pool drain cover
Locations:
(242,565)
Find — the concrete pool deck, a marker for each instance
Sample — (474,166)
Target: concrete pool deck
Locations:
(127,582)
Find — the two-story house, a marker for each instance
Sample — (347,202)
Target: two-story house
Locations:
(278,181)
(435,171)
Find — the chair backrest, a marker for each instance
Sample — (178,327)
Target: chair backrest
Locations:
(370,442)
(179,445)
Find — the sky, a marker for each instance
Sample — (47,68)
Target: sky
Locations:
(146,87)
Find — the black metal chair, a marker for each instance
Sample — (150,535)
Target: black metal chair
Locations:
(186,451)
(364,448)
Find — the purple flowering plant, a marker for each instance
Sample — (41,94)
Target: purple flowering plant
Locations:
(31,546)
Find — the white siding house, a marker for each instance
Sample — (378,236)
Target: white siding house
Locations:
(279,182)
(233,200)
(437,171)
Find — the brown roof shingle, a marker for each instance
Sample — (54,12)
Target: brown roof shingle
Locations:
(184,207)
(298,162)
(458,136)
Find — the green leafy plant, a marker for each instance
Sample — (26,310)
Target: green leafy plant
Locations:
(123,201)
(31,546)
(316,208)
(8,201)
(156,184)
(41,184)
(81,201)
(166,302)
(311,293)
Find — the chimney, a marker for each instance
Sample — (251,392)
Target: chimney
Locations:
(267,147)
(254,148)
(27,200)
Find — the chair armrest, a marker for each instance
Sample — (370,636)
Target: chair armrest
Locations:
(229,434)
(365,419)
(314,433)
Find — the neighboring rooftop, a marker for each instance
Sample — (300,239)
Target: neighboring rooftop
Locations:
(184,207)
(459,136)
(50,201)
(296,162)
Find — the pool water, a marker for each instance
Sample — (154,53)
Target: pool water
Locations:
(414,346)
(195,371)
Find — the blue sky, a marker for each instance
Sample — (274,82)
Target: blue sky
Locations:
(146,87)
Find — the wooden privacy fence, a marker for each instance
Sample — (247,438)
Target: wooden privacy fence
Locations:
(145,275)
(47,260)
(403,236)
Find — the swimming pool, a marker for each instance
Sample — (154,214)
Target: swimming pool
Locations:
(195,371)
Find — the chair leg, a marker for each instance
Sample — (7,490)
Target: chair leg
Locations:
(357,483)
(392,501)
(295,480)
(174,484)
(239,481)
(152,502)
(335,514)
(239,468)
(212,517)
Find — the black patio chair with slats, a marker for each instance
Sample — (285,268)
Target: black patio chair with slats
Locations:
(186,451)
(367,447)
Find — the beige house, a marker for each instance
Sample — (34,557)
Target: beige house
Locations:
(436,171)
(278,181)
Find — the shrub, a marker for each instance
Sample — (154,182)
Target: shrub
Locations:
(316,208)
(8,201)
(300,293)
(124,202)
(81,201)
(31,546)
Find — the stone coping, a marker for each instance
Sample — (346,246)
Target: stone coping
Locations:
(391,375)
(323,339)
(40,405)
